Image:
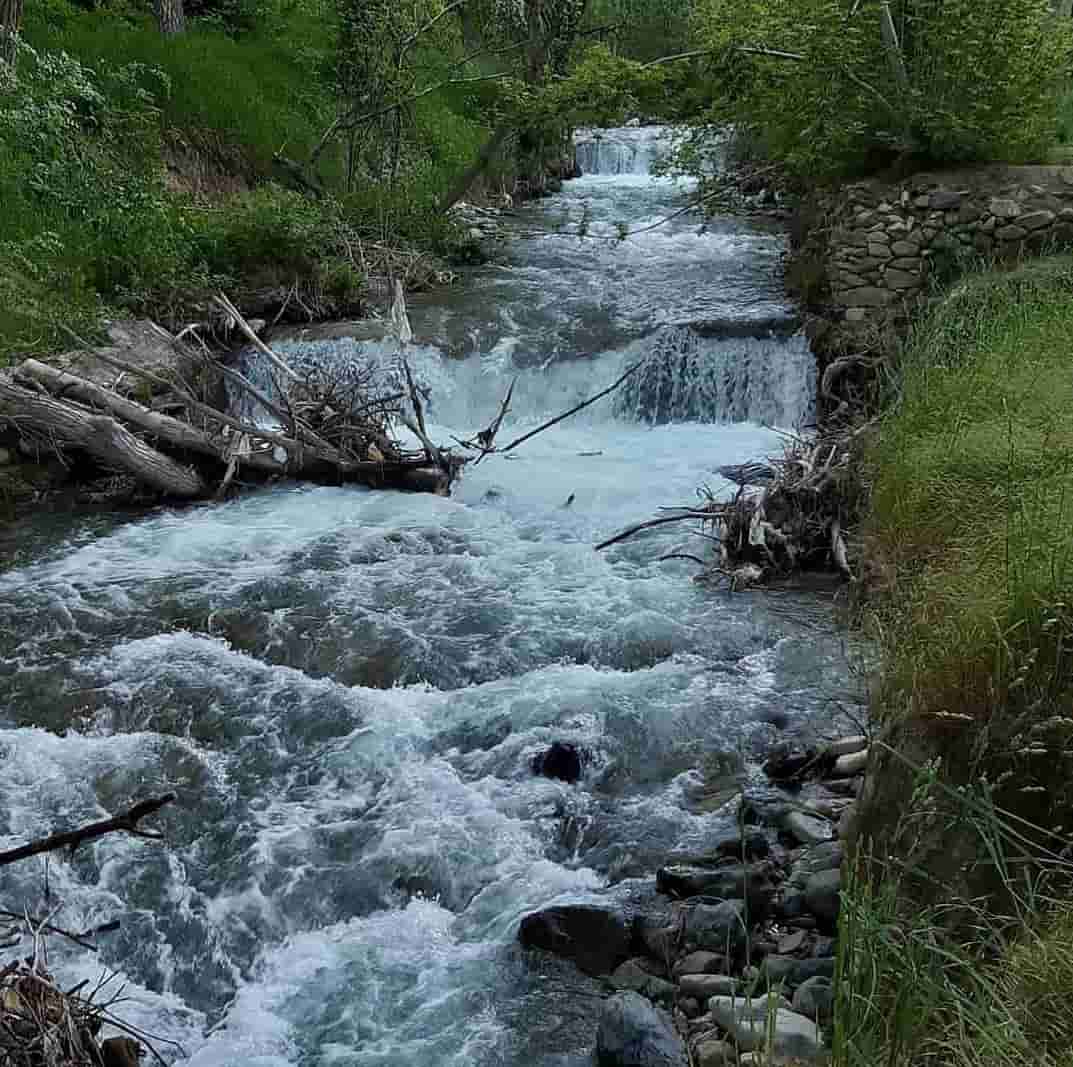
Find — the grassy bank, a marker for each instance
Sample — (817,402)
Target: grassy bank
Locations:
(105,126)
(956,936)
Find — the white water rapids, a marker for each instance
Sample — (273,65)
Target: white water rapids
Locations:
(346,687)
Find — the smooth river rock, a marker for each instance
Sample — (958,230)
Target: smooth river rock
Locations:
(752,1024)
(596,939)
(633,1033)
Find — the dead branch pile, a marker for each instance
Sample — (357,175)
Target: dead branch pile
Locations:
(790,514)
(174,439)
(42,1024)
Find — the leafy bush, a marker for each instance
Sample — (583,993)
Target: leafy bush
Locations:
(815,79)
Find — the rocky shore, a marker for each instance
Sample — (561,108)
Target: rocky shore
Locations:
(730,958)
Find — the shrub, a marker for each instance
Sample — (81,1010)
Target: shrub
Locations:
(814,77)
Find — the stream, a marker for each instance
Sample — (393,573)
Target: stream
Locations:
(346,687)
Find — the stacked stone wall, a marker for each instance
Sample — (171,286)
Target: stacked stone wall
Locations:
(884,242)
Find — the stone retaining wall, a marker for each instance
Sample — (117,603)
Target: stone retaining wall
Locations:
(883,240)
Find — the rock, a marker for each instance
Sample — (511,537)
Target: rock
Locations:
(717,928)
(815,999)
(792,943)
(633,975)
(6,458)
(786,970)
(878,251)
(742,844)
(714,1053)
(690,1007)
(786,762)
(1004,208)
(596,939)
(1036,220)
(900,279)
(732,882)
(856,314)
(851,764)
(945,200)
(700,962)
(658,941)
(824,947)
(704,986)
(822,895)
(910,263)
(561,760)
(784,1036)
(868,296)
(120,1052)
(846,787)
(825,857)
(906,248)
(1010,233)
(792,905)
(807,829)
(633,1033)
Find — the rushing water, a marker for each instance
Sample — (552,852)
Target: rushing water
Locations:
(346,687)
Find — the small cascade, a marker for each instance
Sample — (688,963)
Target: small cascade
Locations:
(621,151)
(690,378)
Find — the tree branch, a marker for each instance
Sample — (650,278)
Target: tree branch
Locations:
(127,822)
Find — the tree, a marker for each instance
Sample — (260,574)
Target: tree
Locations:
(10,20)
(170,16)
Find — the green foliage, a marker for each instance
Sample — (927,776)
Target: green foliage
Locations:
(983,79)
(954,983)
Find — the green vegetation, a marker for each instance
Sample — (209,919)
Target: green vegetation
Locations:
(956,941)
(828,93)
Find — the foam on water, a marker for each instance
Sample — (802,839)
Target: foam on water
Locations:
(346,688)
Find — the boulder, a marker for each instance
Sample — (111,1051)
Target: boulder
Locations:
(561,760)
(822,895)
(633,1033)
(756,1025)
(718,928)
(815,999)
(732,882)
(595,938)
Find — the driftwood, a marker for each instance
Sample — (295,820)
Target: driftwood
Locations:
(101,437)
(125,822)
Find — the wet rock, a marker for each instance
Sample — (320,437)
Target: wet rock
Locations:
(846,746)
(718,928)
(742,845)
(807,829)
(712,1052)
(849,765)
(698,963)
(785,970)
(561,760)
(751,883)
(792,943)
(120,1052)
(633,1033)
(822,895)
(784,1036)
(815,999)
(596,939)
(788,762)
(705,986)
(633,975)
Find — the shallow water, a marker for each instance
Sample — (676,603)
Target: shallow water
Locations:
(346,687)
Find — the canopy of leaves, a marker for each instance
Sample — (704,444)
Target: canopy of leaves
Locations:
(815,79)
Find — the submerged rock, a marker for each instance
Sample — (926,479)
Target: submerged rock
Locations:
(633,1033)
(561,760)
(596,939)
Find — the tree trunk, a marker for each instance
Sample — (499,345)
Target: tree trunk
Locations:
(10,20)
(475,169)
(170,16)
(102,437)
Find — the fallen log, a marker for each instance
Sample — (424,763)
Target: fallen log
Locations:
(109,442)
